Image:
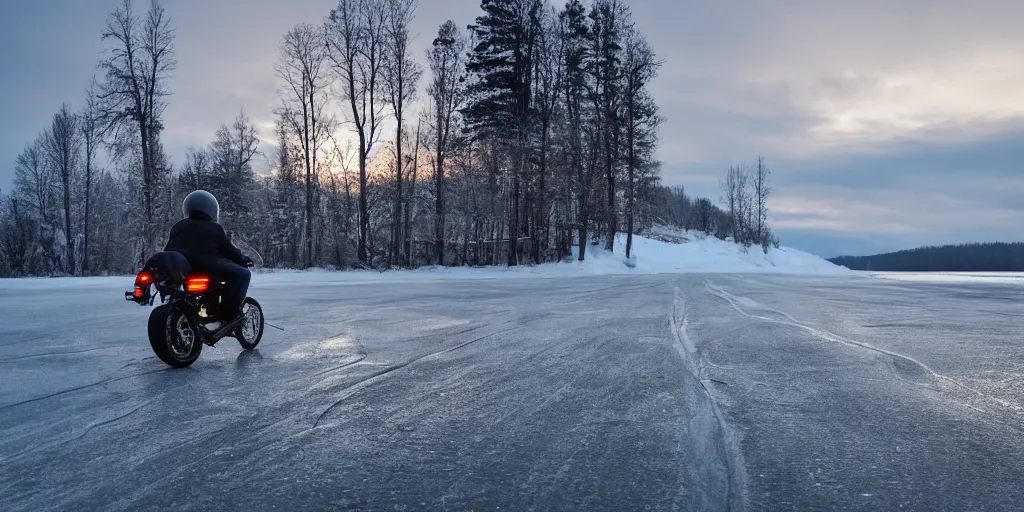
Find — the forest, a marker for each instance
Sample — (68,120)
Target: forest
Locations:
(980,257)
(528,136)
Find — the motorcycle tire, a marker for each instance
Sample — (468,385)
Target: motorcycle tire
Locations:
(250,332)
(174,337)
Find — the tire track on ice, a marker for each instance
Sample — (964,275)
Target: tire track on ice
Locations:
(291,422)
(80,388)
(713,442)
(358,360)
(53,354)
(897,358)
(361,355)
(85,432)
(380,375)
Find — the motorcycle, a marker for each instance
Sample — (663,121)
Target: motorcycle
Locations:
(189,315)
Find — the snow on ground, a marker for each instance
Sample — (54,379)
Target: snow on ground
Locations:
(954,277)
(665,252)
(692,253)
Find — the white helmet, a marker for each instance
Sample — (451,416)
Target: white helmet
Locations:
(203,202)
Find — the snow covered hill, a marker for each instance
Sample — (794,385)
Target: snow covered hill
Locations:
(663,252)
(666,252)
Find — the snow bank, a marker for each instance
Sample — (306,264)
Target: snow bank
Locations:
(1016,278)
(674,253)
(665,252)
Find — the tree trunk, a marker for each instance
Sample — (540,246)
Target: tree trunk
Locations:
(412,192)
(309,184)
(311,169)
(147,185)
(583,236)
(610,173)
(439,197)
(630,141)
(542,207)
(88,195)
(70,249)
(397,219)
(513,224)
(364,217)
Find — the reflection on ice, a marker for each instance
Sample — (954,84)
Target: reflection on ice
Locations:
(333,347)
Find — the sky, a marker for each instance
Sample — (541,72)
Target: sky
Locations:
(886,125)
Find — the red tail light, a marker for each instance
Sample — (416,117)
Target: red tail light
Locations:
(198,284)
(144,278)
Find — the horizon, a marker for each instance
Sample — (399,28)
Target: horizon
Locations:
(929,247)
(884,128)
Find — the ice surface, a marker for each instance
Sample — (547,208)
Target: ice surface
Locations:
(458,390)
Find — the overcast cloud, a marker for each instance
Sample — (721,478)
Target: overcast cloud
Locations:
(887,124)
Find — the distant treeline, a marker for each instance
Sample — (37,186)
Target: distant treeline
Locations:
(987,257)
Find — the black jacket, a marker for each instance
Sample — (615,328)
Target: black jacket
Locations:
(203,242)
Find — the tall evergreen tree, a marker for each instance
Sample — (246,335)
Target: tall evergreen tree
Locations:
(499,107)
(63,145)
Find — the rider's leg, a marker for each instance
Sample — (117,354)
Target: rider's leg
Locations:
(234,292)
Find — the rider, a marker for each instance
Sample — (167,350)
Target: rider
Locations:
(206,246)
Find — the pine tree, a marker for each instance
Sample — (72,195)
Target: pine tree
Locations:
(500,94)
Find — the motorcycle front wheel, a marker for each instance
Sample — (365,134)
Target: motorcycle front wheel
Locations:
(250,332)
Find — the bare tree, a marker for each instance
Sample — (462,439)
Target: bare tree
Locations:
(139,60)
(17,237)
(196,173)
(579,131)
(356,39)
(744,206)
(447,92)
(63,148)
(401,74)
(548,84)
(736,199)
(411,204)
(303,68)
(34,181)
(90,139)
(288,188)
(231,155)
(641,119)
(609,17)
(761,192)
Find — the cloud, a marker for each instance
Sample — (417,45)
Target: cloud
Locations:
(909,193)
(887,124)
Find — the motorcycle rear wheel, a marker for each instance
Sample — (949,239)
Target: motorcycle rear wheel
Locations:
(174,337)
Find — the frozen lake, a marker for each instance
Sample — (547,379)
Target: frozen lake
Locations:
(659,392)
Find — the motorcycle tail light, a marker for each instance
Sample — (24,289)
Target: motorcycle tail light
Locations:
(144,278)
(198,284)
